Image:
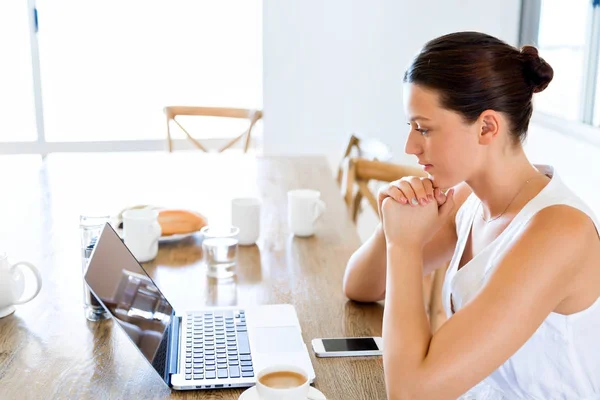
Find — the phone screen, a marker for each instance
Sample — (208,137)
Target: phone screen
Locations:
(353,344)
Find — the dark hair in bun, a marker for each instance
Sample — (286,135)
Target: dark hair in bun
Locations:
(537,71)
(474,72)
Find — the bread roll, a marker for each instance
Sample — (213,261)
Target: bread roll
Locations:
(174,222)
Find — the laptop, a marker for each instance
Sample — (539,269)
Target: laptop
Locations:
(209,348)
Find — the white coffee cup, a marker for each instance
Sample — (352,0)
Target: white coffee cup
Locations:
(12,284)
(298,392)
(245,214)
(141,232)
(305,207)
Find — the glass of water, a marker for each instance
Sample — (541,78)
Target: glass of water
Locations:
(90,228)
(219,250)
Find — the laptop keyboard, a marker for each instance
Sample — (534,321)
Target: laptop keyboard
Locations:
(217,346)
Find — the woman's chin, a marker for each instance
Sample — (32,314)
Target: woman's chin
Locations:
(441,182)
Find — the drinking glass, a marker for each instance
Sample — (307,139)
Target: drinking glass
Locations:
(90,228)
(219,250)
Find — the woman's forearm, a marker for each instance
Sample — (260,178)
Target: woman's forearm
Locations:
(365,276)
(406,331)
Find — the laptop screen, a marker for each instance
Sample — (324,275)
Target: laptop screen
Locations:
(128,293)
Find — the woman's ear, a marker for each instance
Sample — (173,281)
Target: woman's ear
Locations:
(489,123)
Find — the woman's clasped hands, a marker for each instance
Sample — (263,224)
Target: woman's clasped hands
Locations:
(412,210)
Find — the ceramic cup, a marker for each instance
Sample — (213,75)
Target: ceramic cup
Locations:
(282,382)
(141,232)
(12,284)
(305,207)
(245,214)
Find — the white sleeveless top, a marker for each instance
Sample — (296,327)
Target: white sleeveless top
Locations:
(562,358)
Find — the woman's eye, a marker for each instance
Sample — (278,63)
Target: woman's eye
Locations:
(422,131)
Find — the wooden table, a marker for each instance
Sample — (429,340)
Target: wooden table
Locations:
(48,350)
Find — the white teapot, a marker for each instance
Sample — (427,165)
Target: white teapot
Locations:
(12,284)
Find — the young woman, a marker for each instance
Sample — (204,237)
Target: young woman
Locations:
(523,286)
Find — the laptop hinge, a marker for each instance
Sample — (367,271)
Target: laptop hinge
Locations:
(173,352)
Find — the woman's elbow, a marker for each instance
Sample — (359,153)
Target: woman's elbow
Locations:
(354,295)
(348,289)
(360,294)
(358,287)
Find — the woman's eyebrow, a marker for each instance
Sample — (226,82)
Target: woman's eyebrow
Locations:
(419,117)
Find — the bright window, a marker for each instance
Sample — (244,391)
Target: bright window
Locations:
(109,67)
(562,43)
(17,109)
(597,101)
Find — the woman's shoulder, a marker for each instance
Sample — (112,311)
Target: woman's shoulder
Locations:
(565,241)
(570,219)
(566,235)
(572,222)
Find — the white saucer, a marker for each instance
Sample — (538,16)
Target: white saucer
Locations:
(176,237)
(169,239)
(252,394)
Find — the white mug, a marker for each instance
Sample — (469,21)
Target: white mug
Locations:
(299,392)
(305,207)
(12,284)
(245,214)
(141,232)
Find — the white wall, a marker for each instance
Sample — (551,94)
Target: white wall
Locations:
(577,162)
(335,67)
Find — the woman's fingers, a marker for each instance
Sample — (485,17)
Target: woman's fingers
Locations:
(408,192)
(396,194)
(390,190)
(394,191)
(429,189)
(420,190)
(412,190)
(440,197)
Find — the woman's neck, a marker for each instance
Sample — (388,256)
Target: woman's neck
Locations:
(505,182)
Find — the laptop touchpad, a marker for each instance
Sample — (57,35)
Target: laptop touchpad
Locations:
(277,340)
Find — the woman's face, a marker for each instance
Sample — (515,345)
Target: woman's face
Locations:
(443,142)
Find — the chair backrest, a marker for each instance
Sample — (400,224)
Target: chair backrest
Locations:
(363,147)
(252,116)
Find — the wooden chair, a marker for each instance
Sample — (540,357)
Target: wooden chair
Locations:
(356,174)
(368,148)
(252,116)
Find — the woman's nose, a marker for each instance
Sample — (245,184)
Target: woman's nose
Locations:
(413,144)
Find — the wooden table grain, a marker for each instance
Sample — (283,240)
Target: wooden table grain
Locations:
(48,350)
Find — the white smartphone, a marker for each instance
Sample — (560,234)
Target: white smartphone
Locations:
(348,347)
